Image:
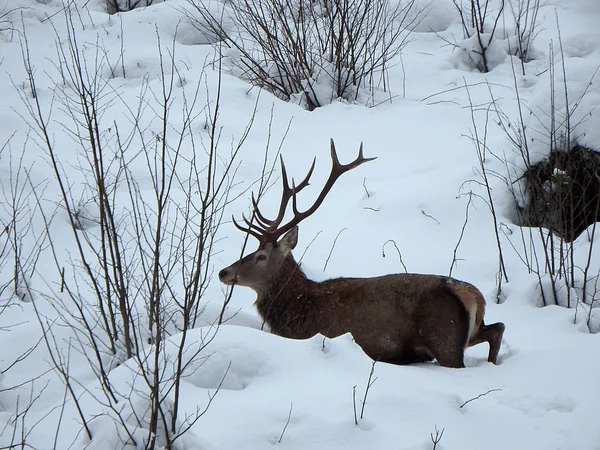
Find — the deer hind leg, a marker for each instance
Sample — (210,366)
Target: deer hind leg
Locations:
(412,355)
(450,357)
(491,334)
(448,349)
(445,340)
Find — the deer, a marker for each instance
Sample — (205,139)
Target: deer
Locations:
(400,318)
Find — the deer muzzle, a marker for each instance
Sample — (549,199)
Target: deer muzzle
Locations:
(228,276)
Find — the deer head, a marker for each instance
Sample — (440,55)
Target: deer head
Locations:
(256,269)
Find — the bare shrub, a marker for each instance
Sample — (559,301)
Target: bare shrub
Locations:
(21,245)
(132,287)
(311,53)
(556,198)
(525,20)
(479,139)
(7,29)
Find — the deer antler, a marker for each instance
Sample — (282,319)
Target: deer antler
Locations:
(267,230)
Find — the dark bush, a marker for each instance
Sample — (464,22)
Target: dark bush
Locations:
(117,6)
(563,192)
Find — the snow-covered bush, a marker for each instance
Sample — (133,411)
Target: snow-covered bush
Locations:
(311,53)
(116,6)
(495,29)
(479,22)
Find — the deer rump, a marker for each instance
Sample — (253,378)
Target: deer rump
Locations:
(398,318)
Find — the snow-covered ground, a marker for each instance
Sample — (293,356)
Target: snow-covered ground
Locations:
(262,390)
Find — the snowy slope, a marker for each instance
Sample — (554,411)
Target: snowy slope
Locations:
(272,391)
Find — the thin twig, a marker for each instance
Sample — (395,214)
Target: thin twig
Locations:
(365,187)
(332,247)
(435,439)
(397,250)
(354,404)
(479,396)
(286,423)
(462,233)
(430,216)
(370,383)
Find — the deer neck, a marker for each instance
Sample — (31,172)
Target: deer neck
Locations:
(283,303)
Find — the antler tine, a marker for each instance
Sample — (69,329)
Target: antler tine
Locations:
(286,194)
(259,217)
(289,192)
(266,229)
(247,230)
(337,170)
(306,180)
(257,227)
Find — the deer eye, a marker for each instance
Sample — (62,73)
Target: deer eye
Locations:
(261,257)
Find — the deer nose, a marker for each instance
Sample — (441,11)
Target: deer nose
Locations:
(222,274)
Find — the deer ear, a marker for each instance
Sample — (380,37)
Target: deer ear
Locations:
(289,240)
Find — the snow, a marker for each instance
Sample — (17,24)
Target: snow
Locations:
(255,390)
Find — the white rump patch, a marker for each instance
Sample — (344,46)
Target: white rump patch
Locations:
(472,310)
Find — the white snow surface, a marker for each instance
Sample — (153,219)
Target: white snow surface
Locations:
(274,392)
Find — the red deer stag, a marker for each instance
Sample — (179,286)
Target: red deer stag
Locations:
(398,318)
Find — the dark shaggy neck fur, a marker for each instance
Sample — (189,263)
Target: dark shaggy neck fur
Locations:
(284,303)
